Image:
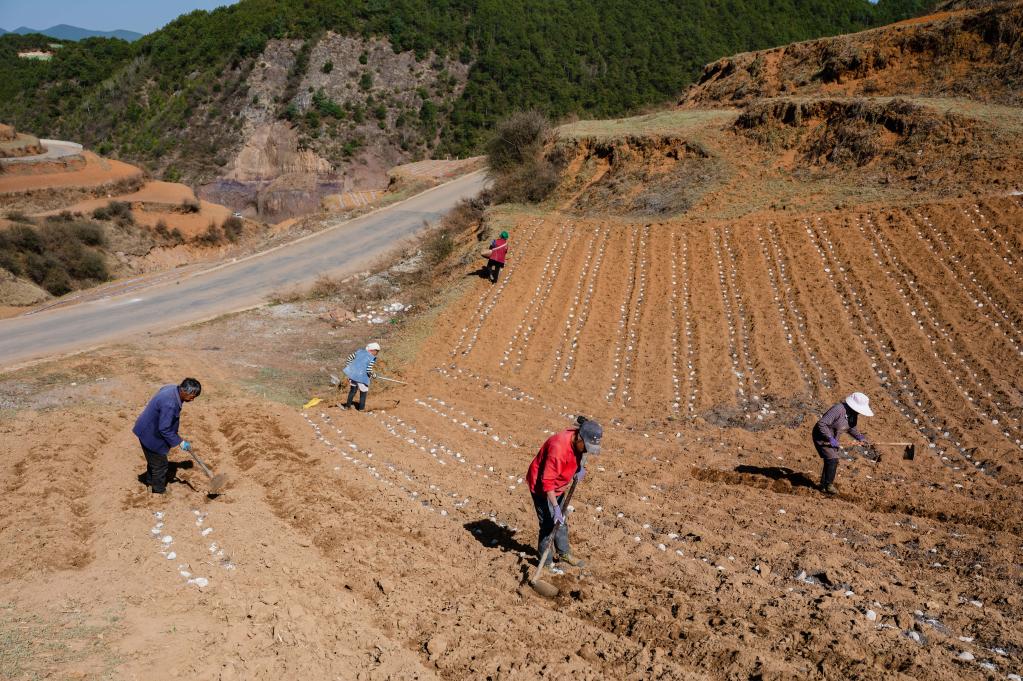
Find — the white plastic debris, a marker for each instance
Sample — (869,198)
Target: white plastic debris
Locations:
(871,615)
(965,656)
(171,555)
(167,539)
(207,531)
(200,582)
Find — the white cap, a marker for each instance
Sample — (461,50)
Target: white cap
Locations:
(860,404)
(373,346)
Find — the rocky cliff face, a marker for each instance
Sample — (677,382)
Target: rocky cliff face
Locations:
(354,109)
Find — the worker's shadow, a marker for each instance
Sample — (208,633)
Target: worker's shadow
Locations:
(483,273)
(794,478)
(172,473)
(492,536)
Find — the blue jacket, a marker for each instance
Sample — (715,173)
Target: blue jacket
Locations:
(157,425)
(358,368)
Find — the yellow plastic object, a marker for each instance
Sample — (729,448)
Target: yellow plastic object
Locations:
(312,403)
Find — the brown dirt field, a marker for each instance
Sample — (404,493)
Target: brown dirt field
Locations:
(392,544)
(96,173)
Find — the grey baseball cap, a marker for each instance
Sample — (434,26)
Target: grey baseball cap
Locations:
(591,434)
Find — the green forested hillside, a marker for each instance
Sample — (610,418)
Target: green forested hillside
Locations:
(592,57)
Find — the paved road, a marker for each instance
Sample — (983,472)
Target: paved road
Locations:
(55,149)
(230,287)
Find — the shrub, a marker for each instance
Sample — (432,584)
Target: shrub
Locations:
(89,233)
(517,140)
(9,260)
(86,263)
(518,167)
(37,265)
(25,239)
(190,206)
(439,246)
(366,82)
(327,67)
(232,228)
(211,237)
(56,281)
(18,216)
(118,211)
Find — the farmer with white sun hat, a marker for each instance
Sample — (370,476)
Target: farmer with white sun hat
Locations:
(841,418)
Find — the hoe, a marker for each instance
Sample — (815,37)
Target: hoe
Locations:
(909,453)
(217,482)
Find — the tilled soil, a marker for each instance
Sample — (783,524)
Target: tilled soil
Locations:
(394,544)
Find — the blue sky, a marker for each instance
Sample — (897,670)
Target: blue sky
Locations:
(143,16)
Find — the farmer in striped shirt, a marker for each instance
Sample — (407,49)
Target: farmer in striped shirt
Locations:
(841,418)
(359,370)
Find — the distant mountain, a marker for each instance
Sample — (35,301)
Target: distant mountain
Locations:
(65,32)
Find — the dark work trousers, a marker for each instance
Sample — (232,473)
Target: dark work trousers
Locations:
(156,470)
(493,270)
(351,396)
(545,514)
(830,456)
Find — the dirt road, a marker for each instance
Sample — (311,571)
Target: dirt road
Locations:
(231,287)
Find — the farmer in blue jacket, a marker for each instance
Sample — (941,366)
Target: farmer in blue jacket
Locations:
(359,370)
(157,429)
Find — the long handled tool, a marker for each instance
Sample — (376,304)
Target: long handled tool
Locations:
(336,380)
(543,588)
(217,482)
(909,453)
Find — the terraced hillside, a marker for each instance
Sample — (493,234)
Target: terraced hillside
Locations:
(702,282)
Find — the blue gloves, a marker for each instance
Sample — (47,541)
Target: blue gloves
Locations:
(579,474)
(186,446)
(559,517)
(833,442)
(860,438)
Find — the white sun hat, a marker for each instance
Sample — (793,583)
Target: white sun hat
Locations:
(860,404)
(376,346)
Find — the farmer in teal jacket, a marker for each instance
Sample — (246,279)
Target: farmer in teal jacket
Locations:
(359,370)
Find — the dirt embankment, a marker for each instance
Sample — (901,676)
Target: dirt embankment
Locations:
(975,54)
(895,141)
(637,175)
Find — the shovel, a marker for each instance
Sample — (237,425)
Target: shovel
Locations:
(217,482)
(546,589)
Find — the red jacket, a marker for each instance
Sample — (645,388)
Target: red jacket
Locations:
(498,250)
(554,465)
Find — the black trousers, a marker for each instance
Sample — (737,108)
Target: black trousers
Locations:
(156,470)
(830,456)
(493,270)
(545,515)
(352,391)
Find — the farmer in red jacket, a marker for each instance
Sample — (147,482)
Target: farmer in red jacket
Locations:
(495,260)
(549,476)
